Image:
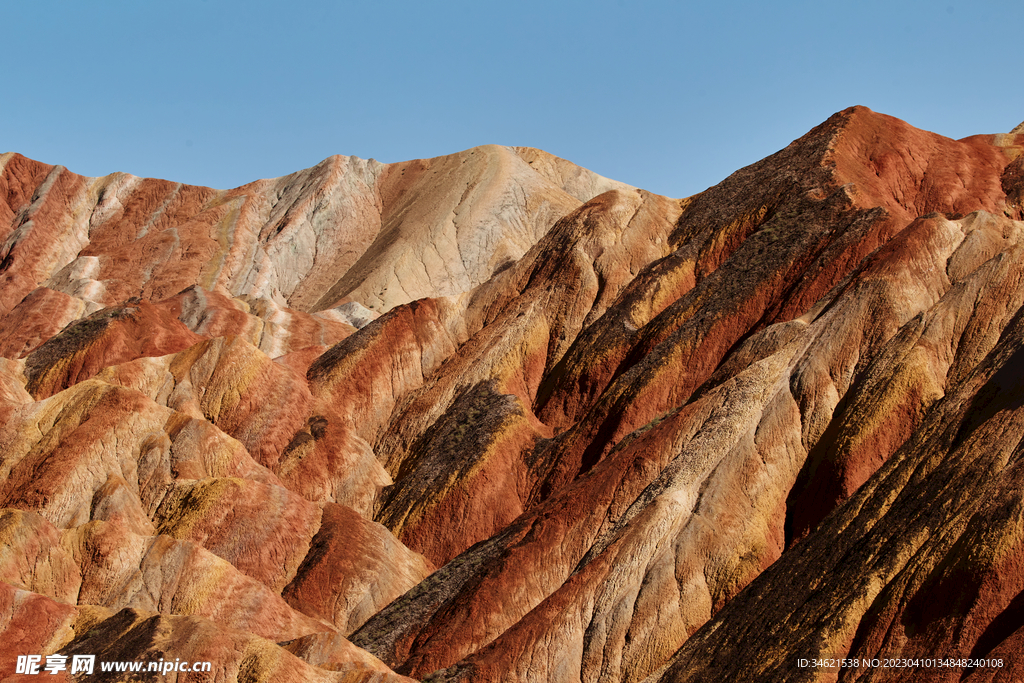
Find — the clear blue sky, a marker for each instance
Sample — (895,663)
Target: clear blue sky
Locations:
(671,97)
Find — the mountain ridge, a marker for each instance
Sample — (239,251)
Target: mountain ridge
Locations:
(491,417)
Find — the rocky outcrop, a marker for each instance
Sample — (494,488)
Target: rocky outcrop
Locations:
(233,655)
(160,574)
(378,235)
(491,417)
(354,568)
(32,623)
(674,482)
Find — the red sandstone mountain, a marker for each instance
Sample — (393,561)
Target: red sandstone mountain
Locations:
(492,417)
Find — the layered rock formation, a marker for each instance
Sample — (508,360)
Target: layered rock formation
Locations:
(491,417)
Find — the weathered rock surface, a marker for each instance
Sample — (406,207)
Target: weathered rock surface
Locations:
(492,417)
(31,624)
(354,568)
(161,574)
(138,636)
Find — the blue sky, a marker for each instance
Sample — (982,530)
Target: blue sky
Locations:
(671,97)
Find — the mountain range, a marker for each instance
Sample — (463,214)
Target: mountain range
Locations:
(492,417)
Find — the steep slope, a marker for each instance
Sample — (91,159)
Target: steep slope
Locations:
(162,452)
(669,490)
(492,417)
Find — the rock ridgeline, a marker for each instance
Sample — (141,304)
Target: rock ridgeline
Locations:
(493,417)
